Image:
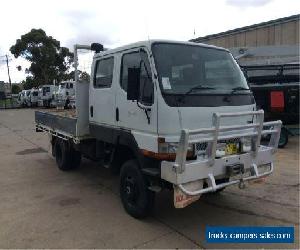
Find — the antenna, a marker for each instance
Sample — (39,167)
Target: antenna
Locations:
(147,29)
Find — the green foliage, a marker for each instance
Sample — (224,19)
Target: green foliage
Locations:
(49,61)
(15,89)
(29,83)
(83,76)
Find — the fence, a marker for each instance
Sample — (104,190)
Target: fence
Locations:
(9,103)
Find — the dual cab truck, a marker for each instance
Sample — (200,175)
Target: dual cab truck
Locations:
(164,114)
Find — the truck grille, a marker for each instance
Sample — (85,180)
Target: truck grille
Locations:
(201,147)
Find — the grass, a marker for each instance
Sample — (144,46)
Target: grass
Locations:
(7,103)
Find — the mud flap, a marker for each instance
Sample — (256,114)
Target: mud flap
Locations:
(181,199)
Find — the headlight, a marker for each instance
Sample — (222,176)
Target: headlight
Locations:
(264,168)
(246,144)
(171,148)
(221,150)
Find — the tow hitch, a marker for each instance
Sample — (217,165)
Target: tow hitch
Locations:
(237,171)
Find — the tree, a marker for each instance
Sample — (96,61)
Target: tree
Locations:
(15,89)
(82,76)
(49,61)
(29,83)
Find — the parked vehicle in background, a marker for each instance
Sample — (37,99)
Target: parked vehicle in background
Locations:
(27,97)
(34,97)
(276,91)
(165,115)
(21,98)
(64,94)
(46,94)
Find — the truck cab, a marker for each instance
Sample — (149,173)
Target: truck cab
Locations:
(46,94)
(65,92)
(27,97)
(21,98)
(34,97)
(167,114)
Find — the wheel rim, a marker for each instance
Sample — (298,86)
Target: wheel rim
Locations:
(130,190)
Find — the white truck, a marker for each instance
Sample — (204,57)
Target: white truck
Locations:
(21,98)
(164,114)
(46,94)
(33,98)
(64,94)
(27,97)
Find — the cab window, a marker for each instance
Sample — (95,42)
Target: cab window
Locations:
(138,59)
(104,73)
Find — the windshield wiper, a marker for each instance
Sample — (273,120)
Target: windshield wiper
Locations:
(198,87)
(237,89)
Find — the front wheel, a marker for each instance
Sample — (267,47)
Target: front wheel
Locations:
(137,199)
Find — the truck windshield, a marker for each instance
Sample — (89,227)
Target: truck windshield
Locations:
(192,69)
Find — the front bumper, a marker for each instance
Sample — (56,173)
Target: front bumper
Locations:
(210,168)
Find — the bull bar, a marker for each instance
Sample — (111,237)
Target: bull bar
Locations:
(183,171)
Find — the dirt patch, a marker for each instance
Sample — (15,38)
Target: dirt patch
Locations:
(69,202)
(31,151)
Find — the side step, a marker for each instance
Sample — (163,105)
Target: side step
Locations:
(151,172)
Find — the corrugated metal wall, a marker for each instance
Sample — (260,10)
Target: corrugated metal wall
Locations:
(285,33)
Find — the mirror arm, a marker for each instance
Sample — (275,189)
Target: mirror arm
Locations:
(147,115)
(142,106)
(145,66)
(145,108)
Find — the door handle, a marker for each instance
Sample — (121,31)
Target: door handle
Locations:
(91,111)
(117,114)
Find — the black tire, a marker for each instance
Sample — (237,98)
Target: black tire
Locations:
(66,158)
(66,106)
(137,199)
(284,138)
(75,158)
(53,146)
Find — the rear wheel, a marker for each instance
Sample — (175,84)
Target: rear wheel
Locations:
(66,157)
(137,199)
(284,138)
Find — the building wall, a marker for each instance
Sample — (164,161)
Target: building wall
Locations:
(283,32)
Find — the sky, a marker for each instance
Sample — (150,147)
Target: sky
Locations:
(116,22)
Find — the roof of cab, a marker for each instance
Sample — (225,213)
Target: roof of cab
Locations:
(148,44)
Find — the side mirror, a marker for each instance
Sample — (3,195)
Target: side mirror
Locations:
(97,47)
(133,86)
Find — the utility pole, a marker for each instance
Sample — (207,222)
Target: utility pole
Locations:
(9,80)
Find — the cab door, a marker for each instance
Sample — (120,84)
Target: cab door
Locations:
(102,95)
(131,114)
